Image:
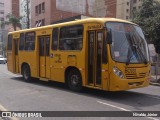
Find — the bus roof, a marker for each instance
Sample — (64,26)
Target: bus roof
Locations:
(78,21)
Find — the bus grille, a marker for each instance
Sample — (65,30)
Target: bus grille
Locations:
(135,76)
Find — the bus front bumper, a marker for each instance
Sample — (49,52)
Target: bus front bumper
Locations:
(118,84)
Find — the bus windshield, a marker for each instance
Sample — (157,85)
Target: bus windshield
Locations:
(128,43)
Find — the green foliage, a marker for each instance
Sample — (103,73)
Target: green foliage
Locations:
(13,20)
(148,17)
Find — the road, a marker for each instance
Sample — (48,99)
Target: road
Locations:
(17,95)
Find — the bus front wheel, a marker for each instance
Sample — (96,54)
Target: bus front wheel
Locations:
(26,73)
(74,80)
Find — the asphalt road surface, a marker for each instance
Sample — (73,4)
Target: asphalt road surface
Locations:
(17,95)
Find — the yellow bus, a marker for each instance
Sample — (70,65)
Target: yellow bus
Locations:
(102,53)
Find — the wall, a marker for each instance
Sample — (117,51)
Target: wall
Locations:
(61,9)
(46,15)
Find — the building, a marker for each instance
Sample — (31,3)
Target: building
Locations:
(25,8)
(135,5)
(123,9)
(126,8)
(45,12)
(15,7)
(6,7)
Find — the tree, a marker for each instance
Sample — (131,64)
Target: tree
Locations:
(27,12)
(148,17)
(13,20)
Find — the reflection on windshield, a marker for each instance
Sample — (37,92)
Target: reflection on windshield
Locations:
(128,43)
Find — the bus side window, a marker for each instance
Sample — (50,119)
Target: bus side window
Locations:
(71,37)
(30,41)
(22,40)
(9,42)
(55,39)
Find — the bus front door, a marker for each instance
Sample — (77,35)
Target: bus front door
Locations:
(16,60)
(95,41)
(44,59)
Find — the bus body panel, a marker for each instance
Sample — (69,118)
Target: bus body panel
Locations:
(125,84)
(10,62)
(12,55)
(31,61)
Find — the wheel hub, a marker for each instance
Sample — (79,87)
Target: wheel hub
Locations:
(74,79)
(26,73)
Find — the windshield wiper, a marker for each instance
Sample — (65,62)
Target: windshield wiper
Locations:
(141,55)
(129,50)
(130,54)
(128,60)
(135,49)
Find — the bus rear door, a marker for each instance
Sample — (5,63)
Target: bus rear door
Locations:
(16,58)
(44,58)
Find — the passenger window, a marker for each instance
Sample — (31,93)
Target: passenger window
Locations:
(41,45)
(30,41)
(55,39)
(71,38)
(47,46)
(10,42)
(22,40)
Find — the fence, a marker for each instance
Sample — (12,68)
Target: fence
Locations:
(155,68)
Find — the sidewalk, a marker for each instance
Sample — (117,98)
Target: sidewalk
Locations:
(155,80)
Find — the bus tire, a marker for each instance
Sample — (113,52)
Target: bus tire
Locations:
(74,80)
(26,72)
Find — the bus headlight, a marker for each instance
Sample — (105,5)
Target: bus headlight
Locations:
(118,72)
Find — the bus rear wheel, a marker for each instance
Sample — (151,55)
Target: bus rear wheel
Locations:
(74,80)
(26,73)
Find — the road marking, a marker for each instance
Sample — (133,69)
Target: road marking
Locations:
(113,106)
(123,109)
(4,109)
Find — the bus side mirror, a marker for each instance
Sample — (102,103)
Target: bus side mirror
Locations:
(109,36)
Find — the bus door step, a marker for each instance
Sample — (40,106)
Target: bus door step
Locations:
(44,79)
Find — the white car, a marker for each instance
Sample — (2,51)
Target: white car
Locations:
(3,60)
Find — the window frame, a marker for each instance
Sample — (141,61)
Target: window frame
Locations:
(43,7)
(36,10)
(9,46)
(60,37)
(2,4)
(57,47)
(26,48)
(22,41)
(40,8)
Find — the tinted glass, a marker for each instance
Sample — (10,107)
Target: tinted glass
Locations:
(71,38)
(55,39)
(10,42)
(22,40)
(30,41)
(47,46)
(128,43)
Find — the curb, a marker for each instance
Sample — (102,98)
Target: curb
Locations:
(153,83)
